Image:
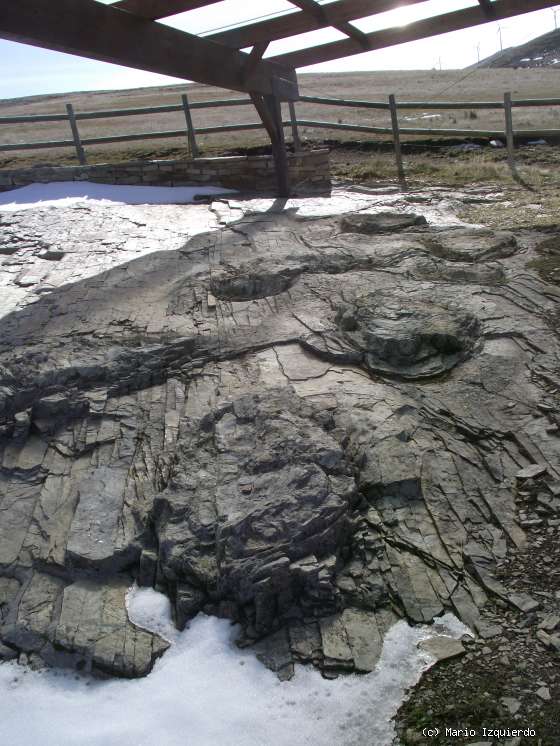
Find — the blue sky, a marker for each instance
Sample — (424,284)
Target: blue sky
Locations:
(29,70)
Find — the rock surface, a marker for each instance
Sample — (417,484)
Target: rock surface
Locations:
(307,420)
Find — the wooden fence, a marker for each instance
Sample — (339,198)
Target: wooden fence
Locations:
(190,132)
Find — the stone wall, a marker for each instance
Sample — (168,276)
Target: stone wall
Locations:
(309,171)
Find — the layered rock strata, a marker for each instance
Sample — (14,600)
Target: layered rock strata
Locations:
(311,426)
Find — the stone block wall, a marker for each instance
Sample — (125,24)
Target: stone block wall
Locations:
(309,171)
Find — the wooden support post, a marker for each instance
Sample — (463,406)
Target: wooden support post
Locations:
(80,152)
(396,136)
(510,140)
(270,111)
(295,132)
(279,146)
(193,147)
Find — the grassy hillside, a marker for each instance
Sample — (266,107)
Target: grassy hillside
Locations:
(540,52)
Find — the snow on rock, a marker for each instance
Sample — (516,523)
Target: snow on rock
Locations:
(204,691)
(68,193)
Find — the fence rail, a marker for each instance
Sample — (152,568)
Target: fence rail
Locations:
(429,104)
(189,131)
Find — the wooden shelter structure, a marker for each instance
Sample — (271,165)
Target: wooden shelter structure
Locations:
(127,33)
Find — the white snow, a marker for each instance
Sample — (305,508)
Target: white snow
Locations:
(204,692)
(422,116)
(70,193)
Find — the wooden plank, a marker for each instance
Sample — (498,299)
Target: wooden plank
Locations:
(433,26)
(134,136)
(154,9)
(360,104)
(279,146)
(450,105)
(255,56)
(90,29)
(349,127)
(140,111)
(193,147)
(344,102)
(510,140)
(425,130)
(536,102)
(28,118)
(396,136)
(269,110)
(299,22)
(295,132)
(80,153)
(220,102)
(37,145)
(264,114)
(230,128)
(110,113)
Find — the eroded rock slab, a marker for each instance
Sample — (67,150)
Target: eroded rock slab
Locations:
(310,423)
(257,511)
(84,624)
(406,334)
(381,222)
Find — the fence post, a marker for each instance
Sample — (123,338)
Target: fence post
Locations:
(509,130)
(75,134)
(396,136)
(190,129)
(295,131)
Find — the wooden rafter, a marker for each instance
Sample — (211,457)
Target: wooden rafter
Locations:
(316,10)
(255,57)
(154,9)
(486,5)
(300,22)
(90,29)
(433,26)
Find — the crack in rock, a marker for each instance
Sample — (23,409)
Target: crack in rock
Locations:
(310,424)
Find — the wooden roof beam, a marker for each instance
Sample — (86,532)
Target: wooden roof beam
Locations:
(299,23)
(433,26)
(90,29)
(255,56)
(316,10)
(486,5)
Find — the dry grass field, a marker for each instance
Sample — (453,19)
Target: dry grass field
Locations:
(407,85)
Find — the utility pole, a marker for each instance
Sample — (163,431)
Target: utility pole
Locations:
(555,11)
(500,38)
(478,52)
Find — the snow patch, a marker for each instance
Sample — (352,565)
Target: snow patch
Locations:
(204,691)
(70,193)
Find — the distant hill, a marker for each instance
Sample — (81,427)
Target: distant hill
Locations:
(542,51)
